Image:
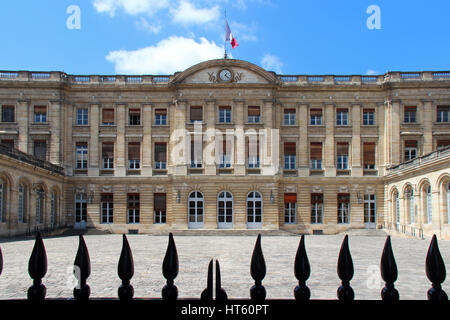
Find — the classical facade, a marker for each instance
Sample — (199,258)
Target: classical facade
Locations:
(226,144)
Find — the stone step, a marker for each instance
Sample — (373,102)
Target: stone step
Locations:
(366,232)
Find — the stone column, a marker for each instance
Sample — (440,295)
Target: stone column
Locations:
(55,138)
(427,122)
(120,142)
(269,142)
(68,142)
(357,170)
(395,141)
(302,144)
(209,150)
(380,159)
(179,146)
(240,147)
(94,141)
(147,147)
(330,167)
(22,122)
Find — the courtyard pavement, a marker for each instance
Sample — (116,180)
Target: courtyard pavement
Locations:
(234,254)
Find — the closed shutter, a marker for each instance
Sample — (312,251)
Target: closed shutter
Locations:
(161,112)
(316,150)
(316,112)
(108,116)
(253,111)
(160,202)
(342,148)
(196,113)
(369,153)
(411,144)
(290,198)
(289,148)
(134,151)
(160,152)
(107,150)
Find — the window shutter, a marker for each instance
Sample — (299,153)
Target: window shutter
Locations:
(369,153)
(160,202)
(108,115)
(290,198)
(316,150)
(342,148)
(442,108)
(411,144)
(289,110)
(443,143)
(316,198)
(253,111)
(410,108)
(196,113)
(160,111)
(289,148)
(315,112)
(108,150)
(160,152)
(344,198)
(40,109)
(341,110)
(134,150)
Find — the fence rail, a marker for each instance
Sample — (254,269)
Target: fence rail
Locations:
(37,268)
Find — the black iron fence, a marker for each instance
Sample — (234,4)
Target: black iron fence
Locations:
(37,268)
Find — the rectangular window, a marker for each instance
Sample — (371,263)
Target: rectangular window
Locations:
(289,117)
(8,114)
(315,154)
(410,149)
(80,208)
(315,117)
(82,116)
(133,208)
(134,117)
(289,155)
(196,114)
(225,114)
(316,208)
(108,117)
(369,208)
(40,149)
(134,155)
(160,208)
(368,117)
(81,155)
(160,117)
(254,114)
(196,151)
(290,208)
(253,152)
(342,156)
(410,114)
(341,117)
(160,156)
(108,155)
(343,208)
(107,205)
(442,113)
(369,155)
(224,153)
(40,114)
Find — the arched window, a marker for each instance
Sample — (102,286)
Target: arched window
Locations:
(397,208)
(429,205)
(448,203)
(53,208)
(40,196)
(254,210)
(21,205)
(195,209)
(225,210)
(410,199)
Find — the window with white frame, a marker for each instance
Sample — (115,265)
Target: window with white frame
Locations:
(254,207)
(160,156)
(290,208)
(289,155)
(160,117)
(53,208)
(410,199)
(343,208)
(133,208)
(315,154)
(40,114)
(195,207)
(39,205)
(315,117)
(410,149)
(442,113)
(368,117)
(81,155)
(409,114)
(225,207)
(108,155)
(80,208)
(397,208)
(341,117)
(429,206)
(82,116)
(342,156)
(316,208)
(107,207)
(134,155)
(160,208)
(289,117)
(369,208)
(224,114)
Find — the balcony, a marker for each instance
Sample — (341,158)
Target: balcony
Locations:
(440,154)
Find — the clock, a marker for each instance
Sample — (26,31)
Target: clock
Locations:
(225,75)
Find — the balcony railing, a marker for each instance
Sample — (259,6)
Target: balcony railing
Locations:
(24,157)
(435,155)
(37,269)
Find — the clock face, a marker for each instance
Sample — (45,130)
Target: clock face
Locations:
(225,75)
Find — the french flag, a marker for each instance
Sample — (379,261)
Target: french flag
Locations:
(229,36)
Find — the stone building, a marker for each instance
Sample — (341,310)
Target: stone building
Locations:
(226,144)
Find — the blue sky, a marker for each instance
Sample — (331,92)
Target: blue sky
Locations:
(164,36)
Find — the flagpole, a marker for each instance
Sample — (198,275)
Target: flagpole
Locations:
(225,42)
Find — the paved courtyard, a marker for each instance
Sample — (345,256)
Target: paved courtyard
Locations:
(234,254)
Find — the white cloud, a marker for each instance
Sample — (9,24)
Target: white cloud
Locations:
(168,56)
(186,13)
(132,7)
(143,24)
(371,72)
(272,63)
(243,32)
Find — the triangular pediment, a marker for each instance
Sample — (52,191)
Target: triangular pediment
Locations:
(225,71)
